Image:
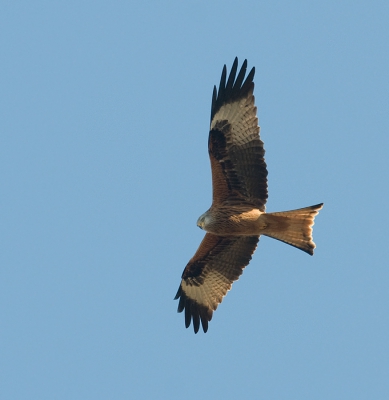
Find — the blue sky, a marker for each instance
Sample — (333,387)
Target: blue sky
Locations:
(104,171)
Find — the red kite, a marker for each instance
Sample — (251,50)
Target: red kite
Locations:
(237,215)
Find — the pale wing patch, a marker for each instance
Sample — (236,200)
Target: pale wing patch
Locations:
(241,116)
(211,292)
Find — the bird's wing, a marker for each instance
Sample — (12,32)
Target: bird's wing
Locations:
(218,262)
(236,152)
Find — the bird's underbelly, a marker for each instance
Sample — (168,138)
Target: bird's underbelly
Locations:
(245,223)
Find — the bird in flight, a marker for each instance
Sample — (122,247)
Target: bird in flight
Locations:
(237,215)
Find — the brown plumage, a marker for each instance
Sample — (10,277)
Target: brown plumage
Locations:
(237,216)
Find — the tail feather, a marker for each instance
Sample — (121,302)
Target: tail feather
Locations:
(293,227)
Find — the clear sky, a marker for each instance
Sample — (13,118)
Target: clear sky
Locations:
(104,171)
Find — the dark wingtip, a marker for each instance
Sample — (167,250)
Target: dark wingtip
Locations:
(235,88)
(231,78)
(177,296)
(194,312)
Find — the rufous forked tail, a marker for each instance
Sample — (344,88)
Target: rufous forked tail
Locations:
(293,227)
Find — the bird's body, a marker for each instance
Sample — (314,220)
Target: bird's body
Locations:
(232,220)
(247,221)
(237,217)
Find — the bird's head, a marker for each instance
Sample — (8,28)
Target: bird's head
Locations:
(204,220)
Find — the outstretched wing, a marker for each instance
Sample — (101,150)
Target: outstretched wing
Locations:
(218,262)
(236,152)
